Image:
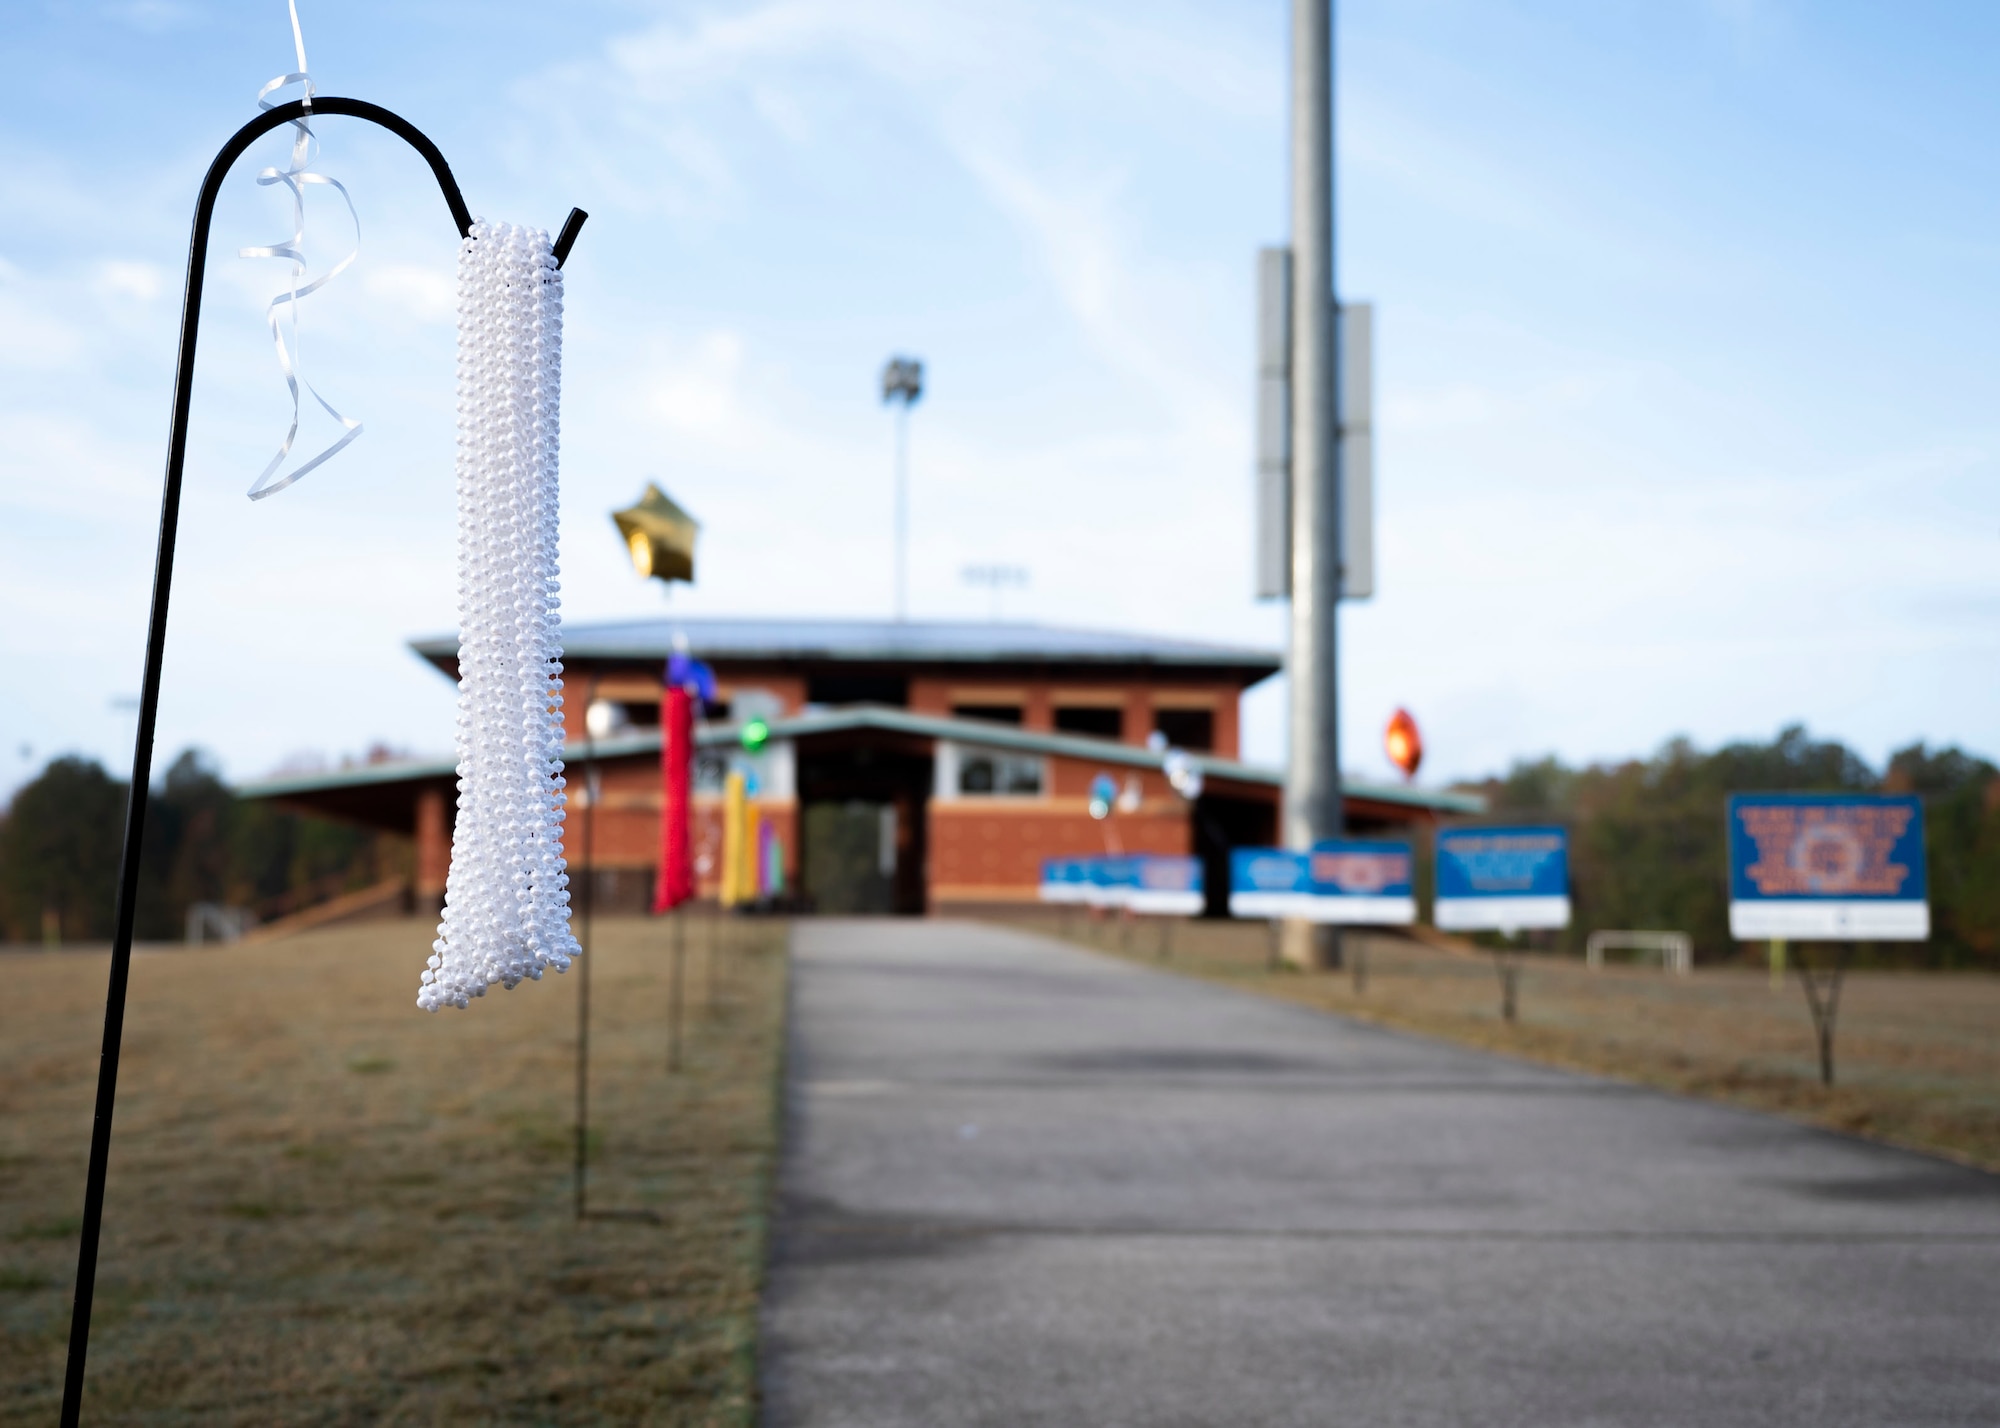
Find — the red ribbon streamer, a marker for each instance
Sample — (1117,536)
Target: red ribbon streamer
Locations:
(675,883)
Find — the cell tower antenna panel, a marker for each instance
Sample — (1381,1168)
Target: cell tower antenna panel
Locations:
(1274,423)
(1355,329)
(1356,334)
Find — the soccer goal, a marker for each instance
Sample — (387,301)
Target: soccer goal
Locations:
(1676,949)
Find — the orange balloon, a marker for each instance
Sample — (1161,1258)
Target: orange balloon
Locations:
(1402,742)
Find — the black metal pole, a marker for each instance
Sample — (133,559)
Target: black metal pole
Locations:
(583,1007)
(1824,1004)
(591,784)
(156,642)
(709,923)
(674,997)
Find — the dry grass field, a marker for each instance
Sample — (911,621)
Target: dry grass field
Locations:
(1917,1054)
(327,1207)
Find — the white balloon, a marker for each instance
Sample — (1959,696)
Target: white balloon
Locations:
(604,719)
(1182,774)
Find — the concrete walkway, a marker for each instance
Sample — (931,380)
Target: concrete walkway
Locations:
(1026,1185)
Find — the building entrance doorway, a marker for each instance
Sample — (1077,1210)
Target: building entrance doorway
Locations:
(863,813)
(849,857)
(1219,825)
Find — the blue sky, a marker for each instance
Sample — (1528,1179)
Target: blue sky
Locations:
(1687,322)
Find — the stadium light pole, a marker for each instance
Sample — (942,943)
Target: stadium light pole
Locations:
(1312,779)
(902,386)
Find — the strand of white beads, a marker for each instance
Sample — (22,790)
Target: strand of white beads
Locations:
(506,913)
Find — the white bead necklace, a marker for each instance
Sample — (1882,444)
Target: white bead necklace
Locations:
(506,913)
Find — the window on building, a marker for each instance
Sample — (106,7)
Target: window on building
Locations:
(642,714)
(1099,723)
(711,771)
(1187,728)
(1015,775)
(991,713)
(890,689)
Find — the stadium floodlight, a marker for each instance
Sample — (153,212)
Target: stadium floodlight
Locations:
(902,387)
(903,380)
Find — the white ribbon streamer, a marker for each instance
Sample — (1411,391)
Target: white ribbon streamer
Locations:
(286,304)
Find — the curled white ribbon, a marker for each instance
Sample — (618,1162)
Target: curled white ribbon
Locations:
(286,304)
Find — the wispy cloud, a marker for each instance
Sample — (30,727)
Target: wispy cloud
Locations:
(425,294)
(993,86)
(157,17)
(1751,25)
(120,278)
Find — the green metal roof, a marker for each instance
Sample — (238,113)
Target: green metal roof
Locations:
(1074,746)
(915,642)
(898,721)
(419,770)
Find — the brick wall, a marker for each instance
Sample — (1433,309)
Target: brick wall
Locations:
(991,849)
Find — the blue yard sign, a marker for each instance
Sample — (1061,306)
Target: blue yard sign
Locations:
(1348,881)
(1160,884)
(1501,879)
(1112,881)
(1065,880)
(1835,866)
(1167,886)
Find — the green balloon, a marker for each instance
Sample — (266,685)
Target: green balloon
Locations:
(755,735)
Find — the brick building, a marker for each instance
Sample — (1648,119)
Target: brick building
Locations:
(911,765)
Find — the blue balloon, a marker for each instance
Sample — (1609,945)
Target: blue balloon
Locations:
(684,671)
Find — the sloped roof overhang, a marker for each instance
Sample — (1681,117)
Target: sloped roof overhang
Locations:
(875,718)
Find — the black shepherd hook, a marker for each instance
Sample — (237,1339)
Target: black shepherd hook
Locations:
(156,640)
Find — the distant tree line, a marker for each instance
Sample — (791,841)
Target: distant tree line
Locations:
(1648,841)
(60,837)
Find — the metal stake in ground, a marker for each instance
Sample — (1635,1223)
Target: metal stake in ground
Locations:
(593,784)
(674,997)
(1507,962)
(1823,1002)
(712,1003)
(156,643)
